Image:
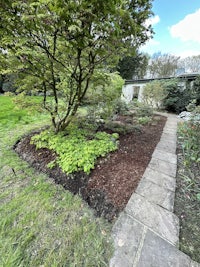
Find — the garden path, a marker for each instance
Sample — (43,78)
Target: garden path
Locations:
(147,231)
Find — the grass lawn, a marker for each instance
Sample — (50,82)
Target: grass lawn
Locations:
(41,224)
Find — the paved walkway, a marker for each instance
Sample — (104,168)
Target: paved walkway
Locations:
(146,233)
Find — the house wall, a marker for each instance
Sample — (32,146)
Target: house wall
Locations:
(131,91)
(128,90)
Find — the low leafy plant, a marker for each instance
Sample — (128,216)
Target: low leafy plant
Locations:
(119,128)
(191,106)
(143,110)
(77,149)
(144,120)
(189,136)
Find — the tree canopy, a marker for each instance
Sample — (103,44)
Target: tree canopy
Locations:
(190,64)
(133,67)
(57,47)
(163,65)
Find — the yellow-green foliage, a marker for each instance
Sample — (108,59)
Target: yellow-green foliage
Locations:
(77,149)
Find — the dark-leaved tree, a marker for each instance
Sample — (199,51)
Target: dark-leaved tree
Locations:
(133,67)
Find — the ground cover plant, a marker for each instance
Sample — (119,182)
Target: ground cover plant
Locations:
(75,152)
(187,198)
(41,224)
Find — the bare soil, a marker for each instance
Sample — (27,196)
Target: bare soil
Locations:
(110,185)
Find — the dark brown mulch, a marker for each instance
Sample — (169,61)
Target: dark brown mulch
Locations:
(109,186)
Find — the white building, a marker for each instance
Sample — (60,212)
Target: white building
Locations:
(134,88)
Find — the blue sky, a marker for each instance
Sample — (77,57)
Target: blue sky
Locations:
(176,24)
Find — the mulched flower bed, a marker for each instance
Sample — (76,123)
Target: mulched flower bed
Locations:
(110,185)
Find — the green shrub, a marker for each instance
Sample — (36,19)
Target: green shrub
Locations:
(153,94)
(120,107)
(143,110)
(104,91)
(176,98)
(77,149)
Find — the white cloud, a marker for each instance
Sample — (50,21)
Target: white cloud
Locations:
(153,20)
(151,43)
(188,53)
(150,46)
(187,29)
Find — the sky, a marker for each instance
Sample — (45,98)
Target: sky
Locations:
(176,24)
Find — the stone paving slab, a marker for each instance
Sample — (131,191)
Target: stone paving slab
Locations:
(161,221)
(171,124)
(171,128)
(127,234)
(171,133)
(156,252)
(194,264)
(156,194)
(160,179)
(166,156)
(163,167)
(167,137)
(167,146)
(168,131)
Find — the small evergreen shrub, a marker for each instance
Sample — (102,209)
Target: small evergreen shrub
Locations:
(120,107)
(176,98)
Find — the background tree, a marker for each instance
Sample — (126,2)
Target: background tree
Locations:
(55,46)
(154,93)
(162,65)
(190,64)
(133,67)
